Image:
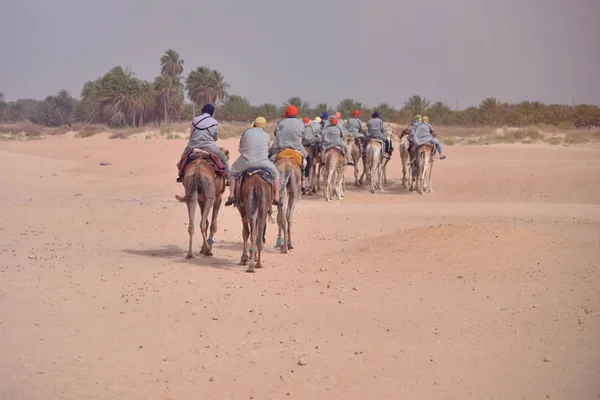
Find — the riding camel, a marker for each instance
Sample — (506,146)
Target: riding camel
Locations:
(356,157)
(335,162)
(405,159)
(389,135)
(254,196)
(205,185)
(315,167)
(424,165)
(374,164)
(290,189)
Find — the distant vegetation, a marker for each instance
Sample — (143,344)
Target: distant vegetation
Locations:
(119,99)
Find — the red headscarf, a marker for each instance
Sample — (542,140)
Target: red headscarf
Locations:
(306,120)
(355,113)
(334,121)
(290,111)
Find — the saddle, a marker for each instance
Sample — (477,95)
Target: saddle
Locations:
(206,155)
(294,154)
(264,173)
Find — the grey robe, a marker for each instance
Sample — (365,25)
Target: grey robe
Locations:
(254,153)
(288,134)
(204,135)
(375,129)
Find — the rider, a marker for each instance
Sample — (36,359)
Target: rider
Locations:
(412,128)
(354,125)
(308,139)
(376,130)
(434,138)
(288,135)
(325,120)
(254,148)
(332,137)
(204,135)
(424,134)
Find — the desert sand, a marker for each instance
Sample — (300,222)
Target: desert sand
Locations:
(487,288)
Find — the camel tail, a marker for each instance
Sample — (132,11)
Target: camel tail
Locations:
(193,188)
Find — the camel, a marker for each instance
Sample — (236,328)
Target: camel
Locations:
(290,186)
(405,159)
(424,163)
(335,162)
(253,200)
(315,165)
(203,185)
(374,164)
(389,135)
(356,157)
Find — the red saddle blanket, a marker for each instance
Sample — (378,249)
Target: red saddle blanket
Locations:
(216,162)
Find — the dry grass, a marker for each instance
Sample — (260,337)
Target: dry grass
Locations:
(26,128)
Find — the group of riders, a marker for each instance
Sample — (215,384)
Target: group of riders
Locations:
(324,133)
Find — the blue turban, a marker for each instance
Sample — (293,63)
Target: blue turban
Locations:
(375,114)
(325,115)
(208,109)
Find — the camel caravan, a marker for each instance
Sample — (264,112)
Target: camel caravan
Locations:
(278,173)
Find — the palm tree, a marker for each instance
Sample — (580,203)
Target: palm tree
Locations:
(166,89)
(206,86)
(302,106)
(386,112)
(170,64)
(347,106)
(439,111)
(321,108)
(417,104)
(268,110)
(492,110)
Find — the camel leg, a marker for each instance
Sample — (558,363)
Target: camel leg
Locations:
(245,235)
(279,242)
(281,222)
(204,227)
(191,205)
(429,174)
(253,244)
(290,215)
(213,223)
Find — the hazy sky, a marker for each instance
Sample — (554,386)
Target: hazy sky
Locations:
(321,50)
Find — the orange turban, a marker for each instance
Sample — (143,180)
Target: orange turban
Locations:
(355,113)
(291,111)
(334,121)
(306,120)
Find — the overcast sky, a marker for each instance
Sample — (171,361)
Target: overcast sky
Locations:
(321,50)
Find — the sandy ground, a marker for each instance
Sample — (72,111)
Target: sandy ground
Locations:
(487,288)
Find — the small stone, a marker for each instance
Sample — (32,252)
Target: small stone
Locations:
(355,288)
(302,362)
(191,282)
(211,379)
(547,359)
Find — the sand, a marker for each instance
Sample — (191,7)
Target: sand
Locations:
(487,288)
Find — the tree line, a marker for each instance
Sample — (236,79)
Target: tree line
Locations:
(120,99)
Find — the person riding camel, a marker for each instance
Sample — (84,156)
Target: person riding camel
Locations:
(424,134)
(325,122)
(411,131)
(354,125)
(308,139)
(288,135)
(204,134)
(333,137)
(376,130)
(254,153)
(434,138)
